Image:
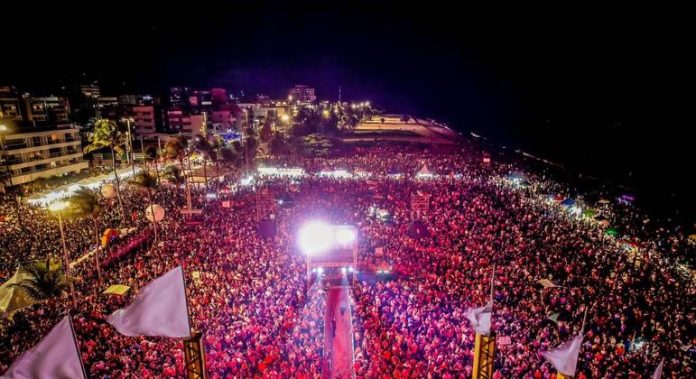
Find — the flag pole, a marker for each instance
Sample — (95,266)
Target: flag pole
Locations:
(492,279)
(188,312)
(484,347)
(77,349)
(194,352)
(584,318)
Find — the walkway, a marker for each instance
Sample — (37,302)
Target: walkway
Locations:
(339,334)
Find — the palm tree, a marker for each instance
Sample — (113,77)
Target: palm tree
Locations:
(174,175)
(152,156)
(145,181)
(85,203)
(216,144)
(107,134)
(205,149)
(44,282)
(349,119)
(177,148)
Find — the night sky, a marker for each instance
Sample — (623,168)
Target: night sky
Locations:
(608,92)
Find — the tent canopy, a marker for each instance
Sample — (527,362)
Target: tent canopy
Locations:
(425,171)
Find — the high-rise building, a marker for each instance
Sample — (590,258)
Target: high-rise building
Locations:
(178,96)
(10,108)
(90,91)
(128,100)
(108,107)
(223,118)
(195,125)
(181,122)
(85,101)
(138,100)
(35,153)
(49,109)
(177,119)
(144,119)
(302,94)
(200,100)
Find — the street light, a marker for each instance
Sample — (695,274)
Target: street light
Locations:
(128,121)
(58,208)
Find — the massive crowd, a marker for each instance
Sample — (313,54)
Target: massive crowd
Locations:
(261,318)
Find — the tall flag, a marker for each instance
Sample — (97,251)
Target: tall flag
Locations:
(55,356)
(159,310)
(565,357)
(658,371)
(480,318)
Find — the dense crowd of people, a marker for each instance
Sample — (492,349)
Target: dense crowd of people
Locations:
(260,317)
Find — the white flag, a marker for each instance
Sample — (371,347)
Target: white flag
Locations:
(658,371)
(480,318)
(565,357)
(159,310)
(55,356)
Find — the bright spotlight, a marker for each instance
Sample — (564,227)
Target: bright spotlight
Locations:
(350,269)
(315,237)
(345,235)
(320,270)
(343,270)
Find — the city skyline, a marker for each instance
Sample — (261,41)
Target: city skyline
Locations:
(554,84)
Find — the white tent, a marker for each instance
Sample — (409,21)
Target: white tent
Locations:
(424,172)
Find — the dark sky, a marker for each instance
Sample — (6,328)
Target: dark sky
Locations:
(610,91)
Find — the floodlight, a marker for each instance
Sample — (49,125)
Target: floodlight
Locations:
(315,237)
